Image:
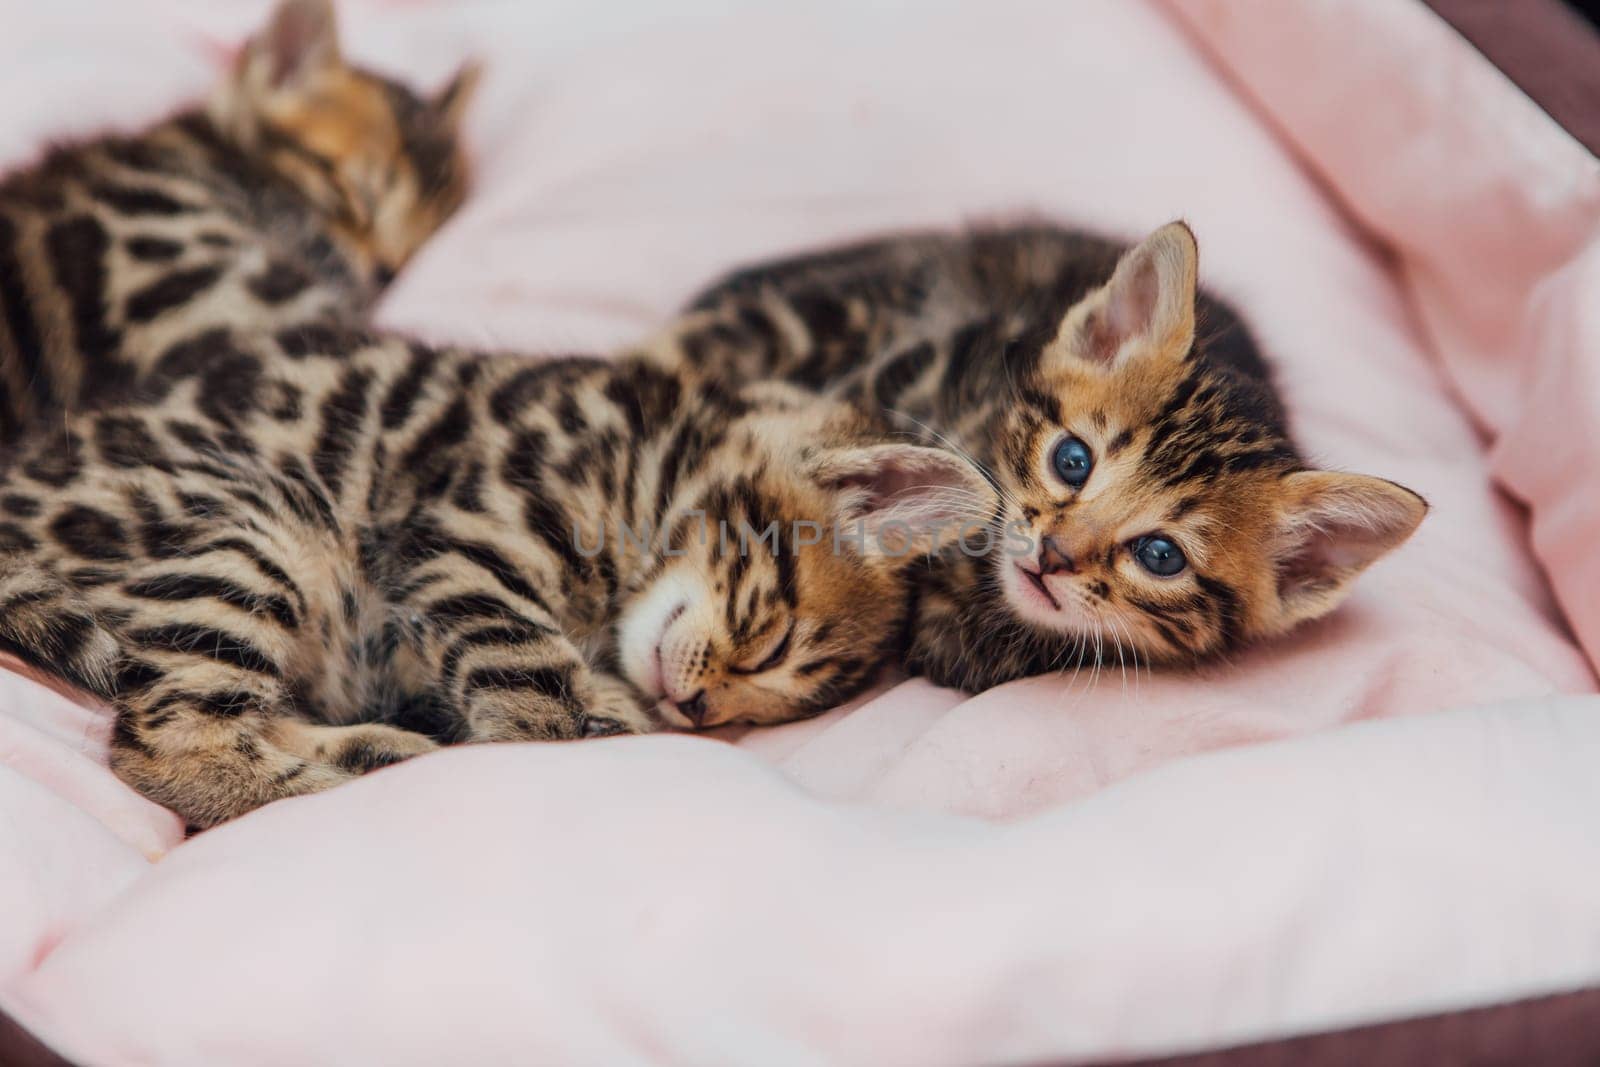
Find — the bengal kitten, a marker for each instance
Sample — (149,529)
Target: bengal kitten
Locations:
(1153,506)
(292,197)
(363,546)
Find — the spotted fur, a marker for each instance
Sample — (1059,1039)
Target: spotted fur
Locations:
(427,546)
(289,199)
(1006,342)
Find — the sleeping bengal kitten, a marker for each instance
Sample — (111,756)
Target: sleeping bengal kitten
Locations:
(363,546)
(292,197)
(1152,503)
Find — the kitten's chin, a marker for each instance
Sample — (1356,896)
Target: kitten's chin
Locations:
(1044,601)
(644,628)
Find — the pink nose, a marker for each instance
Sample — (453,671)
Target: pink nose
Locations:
(1053,559)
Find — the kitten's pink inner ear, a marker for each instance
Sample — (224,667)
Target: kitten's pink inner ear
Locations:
(1150,297)
(1333,527)
(301,40)
(935,493)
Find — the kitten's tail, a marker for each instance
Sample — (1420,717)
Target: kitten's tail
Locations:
(49,624)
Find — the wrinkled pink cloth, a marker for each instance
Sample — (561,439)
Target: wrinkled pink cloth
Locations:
(1409,238)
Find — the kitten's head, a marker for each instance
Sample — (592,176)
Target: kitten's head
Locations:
(750,627)
(383,165)
(1161,499)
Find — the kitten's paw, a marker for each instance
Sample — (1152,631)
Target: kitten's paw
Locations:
(359,749)
(592,705)
(523,716)
(614,709)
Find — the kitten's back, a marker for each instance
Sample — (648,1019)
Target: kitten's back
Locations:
(937,309)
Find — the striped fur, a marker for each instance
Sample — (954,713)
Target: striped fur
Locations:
(291,198)
(363,547)
(1008,342)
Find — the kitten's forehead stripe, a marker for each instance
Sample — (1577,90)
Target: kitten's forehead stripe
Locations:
(1046,405)
(1199,432)
(1183,508)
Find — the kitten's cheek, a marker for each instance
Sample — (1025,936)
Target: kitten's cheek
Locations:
(746,704)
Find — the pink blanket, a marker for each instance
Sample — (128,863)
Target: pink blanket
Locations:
(1410,238)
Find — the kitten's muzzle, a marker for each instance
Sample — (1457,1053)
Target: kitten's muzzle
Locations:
(1036,579)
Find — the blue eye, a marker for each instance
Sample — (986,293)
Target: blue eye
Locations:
(1159,556)
(1073,462)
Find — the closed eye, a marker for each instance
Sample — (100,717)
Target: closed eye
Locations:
(779,653)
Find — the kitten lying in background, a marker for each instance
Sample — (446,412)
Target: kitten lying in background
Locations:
(1152,504)
(290,551)
(291,198)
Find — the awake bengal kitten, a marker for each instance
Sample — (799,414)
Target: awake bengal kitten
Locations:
(1152,503)
(291,198)
(290,551)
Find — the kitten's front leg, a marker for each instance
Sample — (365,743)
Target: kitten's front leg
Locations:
(507,669)
(941,648)
(616,708)
(958,640)
(543,690)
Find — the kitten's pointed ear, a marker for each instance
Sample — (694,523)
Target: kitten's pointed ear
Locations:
(1149,299)
(902,499)
(299,43)
(1331,527)
(452,100)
